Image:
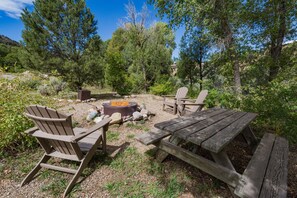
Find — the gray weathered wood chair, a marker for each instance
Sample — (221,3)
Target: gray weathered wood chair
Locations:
(58,139)
(170,101)
(191,106)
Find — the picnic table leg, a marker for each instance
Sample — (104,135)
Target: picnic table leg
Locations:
(223,160)
(250,138)
(161,155)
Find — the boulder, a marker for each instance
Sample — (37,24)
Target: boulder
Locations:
(144,111)
(92,114)
(98,119)
(137,116)
(145,117)
(116,118)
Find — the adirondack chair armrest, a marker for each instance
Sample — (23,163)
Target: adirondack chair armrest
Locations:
(194,104)
(186,99)
(31,130)
(90,130)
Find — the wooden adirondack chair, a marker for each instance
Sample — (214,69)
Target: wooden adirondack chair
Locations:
(58,139)
(172,104)
(188,105)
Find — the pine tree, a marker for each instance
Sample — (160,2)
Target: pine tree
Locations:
(59,32)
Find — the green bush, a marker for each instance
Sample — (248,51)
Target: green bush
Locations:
(15,96)
(53,87)
(223,98)
(162,88)
(276,106)
(33,83)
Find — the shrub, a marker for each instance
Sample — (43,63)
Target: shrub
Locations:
(45,90)
(276,106)
(162,88)
(13,100)
(57,84)
(223,98)
(54,86)
(33,83)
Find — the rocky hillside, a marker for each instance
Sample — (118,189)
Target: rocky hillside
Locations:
(7,41)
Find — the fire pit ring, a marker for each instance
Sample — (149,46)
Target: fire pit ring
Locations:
(124,110)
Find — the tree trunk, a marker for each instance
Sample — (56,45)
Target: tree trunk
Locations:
(200,69)
(277,41)
(229,43)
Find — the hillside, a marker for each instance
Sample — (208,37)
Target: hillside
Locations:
(8,41)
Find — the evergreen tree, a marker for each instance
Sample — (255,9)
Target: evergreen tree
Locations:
(195,46)
(59,32)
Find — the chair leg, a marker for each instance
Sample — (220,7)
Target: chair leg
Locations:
(83,164)
(75,177)
(174,109)
(35,170)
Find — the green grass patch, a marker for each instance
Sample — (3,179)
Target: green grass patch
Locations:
(138,126)
(130,136)
(112,135)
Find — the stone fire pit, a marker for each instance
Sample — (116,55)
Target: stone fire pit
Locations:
(125,108)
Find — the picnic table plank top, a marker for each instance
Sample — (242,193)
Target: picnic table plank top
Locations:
(211,129)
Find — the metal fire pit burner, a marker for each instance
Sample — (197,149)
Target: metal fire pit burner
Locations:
(124,110)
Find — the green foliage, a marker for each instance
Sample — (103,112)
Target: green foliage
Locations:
(9,58)
(222,98)
(276,106)
(162,88)
(195,45)
(138,55)
(52,87)
(13,100)
(61,35)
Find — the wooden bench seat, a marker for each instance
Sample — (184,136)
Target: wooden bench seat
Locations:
(152,136)
(266,174)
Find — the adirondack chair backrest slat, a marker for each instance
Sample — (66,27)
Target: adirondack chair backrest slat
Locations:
(181,92)
(50,121)
(34,111)
(200,99)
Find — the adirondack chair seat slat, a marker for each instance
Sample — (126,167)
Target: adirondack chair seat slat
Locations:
(87,142)
(58,154)
(57,137)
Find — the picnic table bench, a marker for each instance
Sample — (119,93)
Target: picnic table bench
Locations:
(213,130)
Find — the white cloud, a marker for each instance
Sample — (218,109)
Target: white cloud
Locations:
(14,8)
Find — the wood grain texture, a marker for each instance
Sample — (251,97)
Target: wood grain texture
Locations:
(253,176)
(211,130)
(200,125)
(151,137)
(275,182)
(219,140)
(226,175)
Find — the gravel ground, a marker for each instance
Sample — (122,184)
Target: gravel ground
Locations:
(94,184)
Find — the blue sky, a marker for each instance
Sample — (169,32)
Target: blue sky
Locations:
(107,13)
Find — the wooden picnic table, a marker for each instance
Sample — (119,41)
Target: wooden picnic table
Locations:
(213,130)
